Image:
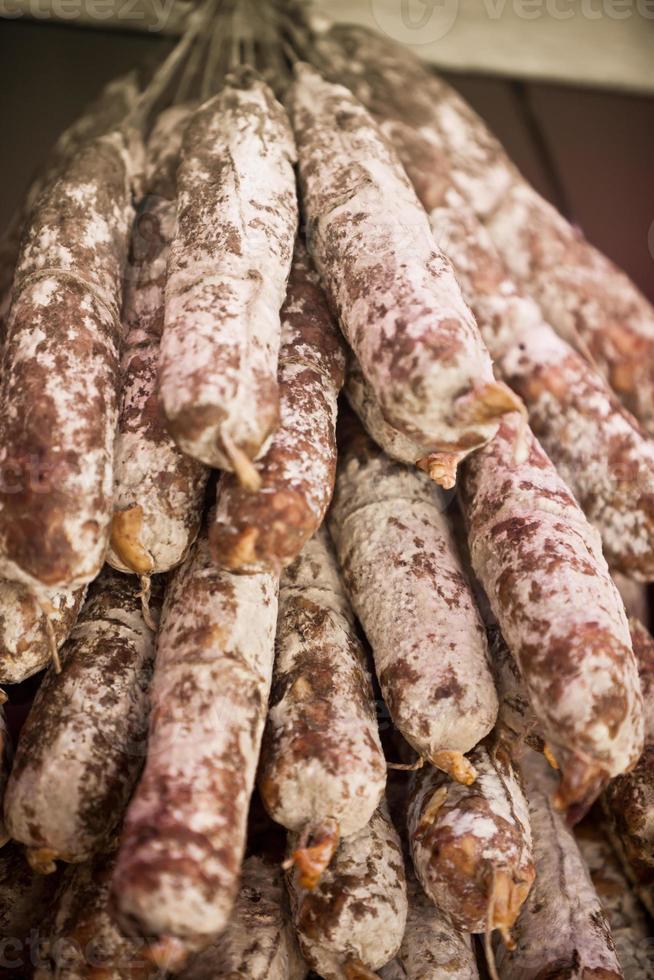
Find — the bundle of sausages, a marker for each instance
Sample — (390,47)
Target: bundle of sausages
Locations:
(336,706)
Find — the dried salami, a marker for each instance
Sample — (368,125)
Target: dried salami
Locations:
(259,942)
(406,585)
(396,84)
(599,450)
(158,491)
(177,872)
(25,899)
(101,116)
(398,446)
(542,568)
(229,262)
(61,371)
(265,529)
(29,630)
(432,948)
(82,746)
(395,293)
(471,845)
(629,798)
(562,931)
(589,301)
(630,926)
(353,921)
(83,942)
(322,764)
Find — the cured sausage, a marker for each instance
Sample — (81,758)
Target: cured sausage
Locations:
(177,871)
(60,366)
(630,927)
(322,765)
(83,941)
(599,450)
(158,491)
(371,64)
(61,371)
(29,629)
(83,744)
(562,932)
(25,898)
(548,584)
(397,445)
(259,942)
(432,947)
(102,115)
(517,725)
(265,530)
(353,920)
(589,301)
(229,262)
(471,845)
(406,585)
(396,296)
(629,798)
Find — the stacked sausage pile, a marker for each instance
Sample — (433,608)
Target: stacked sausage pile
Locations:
(190,294)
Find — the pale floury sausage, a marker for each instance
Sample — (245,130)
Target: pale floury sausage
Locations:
(542,567)
(177,872)
(102,115)
(354,919)
(229,262)
(600,451)
(265,530)
(562,932)
(158,491)
(61,370)
(407,587)
(82,941)
(83,744)
(28,633)
(259,942)
(432,948)
(395,293)
(582,294)
(322,770)
(471,845)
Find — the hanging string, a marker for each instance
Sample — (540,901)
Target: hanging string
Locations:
(214,46)
(166,72)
